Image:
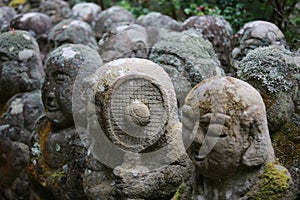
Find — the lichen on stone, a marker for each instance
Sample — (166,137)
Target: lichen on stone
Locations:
(178,193)
(273,183)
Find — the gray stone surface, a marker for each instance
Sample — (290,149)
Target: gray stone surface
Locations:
(188,59)
(110,18)
(156,19)
(57,153)
(231,150)
(57,10)
(72,31)
(6,15)
(39,25)
(135,131)
(255,34)
(86,11)
(21,77)
(218,31)
(124,41)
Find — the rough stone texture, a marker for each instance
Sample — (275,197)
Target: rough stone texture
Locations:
(110,18)
(218,31)
(156,19)
(39,25)
(71,31)
(57,153)
(21,77)
(188,59)
(255,34)
(6,15)
(57,10)
(274,71)
(140,141)
(87,12)
(125,41)
(231,149)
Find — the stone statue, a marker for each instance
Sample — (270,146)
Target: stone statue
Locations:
(21,77)
(57,10)
(71,31)
(156,19)
(110,18)
(57,153)
(231,150)
(255,34)
(39,25)
(86,11)
(274,72)
(136,147)
(218,31)
(188,59)
(124,41)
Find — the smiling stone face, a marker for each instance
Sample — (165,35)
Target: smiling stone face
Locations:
(61,71)
(222,114)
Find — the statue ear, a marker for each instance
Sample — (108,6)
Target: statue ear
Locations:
(260,145)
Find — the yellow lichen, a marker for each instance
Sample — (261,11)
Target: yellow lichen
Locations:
(16,3)
(273,183)
(178,193)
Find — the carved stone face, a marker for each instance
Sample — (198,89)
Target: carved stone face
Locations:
(20,64)
(228,119)
(72,31)
(56,9)
(61,71)
(128,41)
(86,11)
(110,18)
(187,58)
(253,35)
(218,31)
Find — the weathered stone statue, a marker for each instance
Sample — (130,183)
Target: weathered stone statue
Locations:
(71,31)
(39,25)
(188,59)
(110,18)
(6,15)
(87,12)
(231,150)
(135,131)
(56,9)
(21,77)
(124,41)
(255,34)
(57,153)
(274,71)
(218,31)
(156,19)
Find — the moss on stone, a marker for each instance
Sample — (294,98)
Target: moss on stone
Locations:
(178,193)
(286,145)
(273,183)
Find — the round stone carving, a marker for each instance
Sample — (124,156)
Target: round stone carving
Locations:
(136,115)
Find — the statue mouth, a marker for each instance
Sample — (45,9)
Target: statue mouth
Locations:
(198,157)
(51,105)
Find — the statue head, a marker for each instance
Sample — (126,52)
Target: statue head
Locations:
(62,68)
(20,64)
(226,119)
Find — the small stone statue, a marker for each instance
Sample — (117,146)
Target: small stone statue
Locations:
(231,150)
(57,10)
(21,77)
(124,41)
(255,34)
(218,31)
(188,59)
(110,18)
(57,153)
(136,146)
(71,31)
(87,12)
(39,25)
(6,15)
